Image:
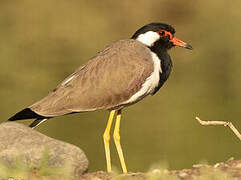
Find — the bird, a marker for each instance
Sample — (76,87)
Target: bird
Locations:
(122,74)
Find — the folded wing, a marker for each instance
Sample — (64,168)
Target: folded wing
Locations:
(106,81)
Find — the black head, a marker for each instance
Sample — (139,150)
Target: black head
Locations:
(159,35)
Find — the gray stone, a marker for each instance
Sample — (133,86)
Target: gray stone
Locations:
(18,140)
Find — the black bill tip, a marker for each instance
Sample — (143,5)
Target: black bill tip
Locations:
(188,46)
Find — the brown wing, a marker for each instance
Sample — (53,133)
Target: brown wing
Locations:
(105,82)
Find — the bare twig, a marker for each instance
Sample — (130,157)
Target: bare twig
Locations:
(224,123)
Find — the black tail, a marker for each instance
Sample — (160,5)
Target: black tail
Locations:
(26,114)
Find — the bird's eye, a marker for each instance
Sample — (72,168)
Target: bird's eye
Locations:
(162,33)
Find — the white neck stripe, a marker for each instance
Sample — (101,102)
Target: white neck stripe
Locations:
(148,38)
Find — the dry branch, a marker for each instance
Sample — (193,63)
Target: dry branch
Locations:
(224,123)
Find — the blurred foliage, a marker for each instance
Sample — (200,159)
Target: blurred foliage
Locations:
(19,169)
(44,41)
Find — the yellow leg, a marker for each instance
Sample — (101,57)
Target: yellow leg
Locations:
(117,141)
(106,137)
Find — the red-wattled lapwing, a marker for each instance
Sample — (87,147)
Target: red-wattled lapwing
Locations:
(122,74)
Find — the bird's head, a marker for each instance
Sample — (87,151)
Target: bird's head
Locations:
(159,35)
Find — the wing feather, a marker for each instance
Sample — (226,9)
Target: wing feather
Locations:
(106,81)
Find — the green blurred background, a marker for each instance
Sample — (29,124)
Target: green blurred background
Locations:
(44,41)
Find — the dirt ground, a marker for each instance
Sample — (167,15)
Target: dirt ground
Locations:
(224,170)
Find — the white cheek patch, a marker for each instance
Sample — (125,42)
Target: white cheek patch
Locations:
(148,38)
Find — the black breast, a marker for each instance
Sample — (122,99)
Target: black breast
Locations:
(166,67)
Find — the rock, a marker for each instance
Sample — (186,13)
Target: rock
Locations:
(18,140)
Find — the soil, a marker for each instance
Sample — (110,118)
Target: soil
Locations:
(224,170)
